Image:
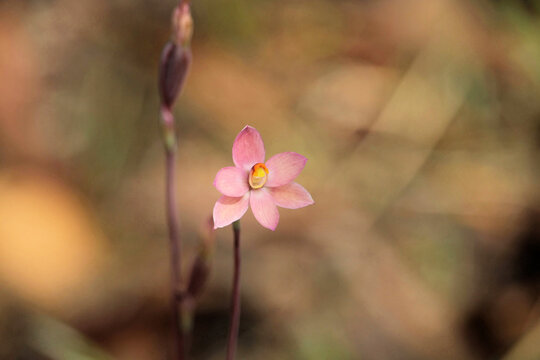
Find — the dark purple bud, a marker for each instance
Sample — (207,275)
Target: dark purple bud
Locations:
(201,267)
(173,68)
(198,277)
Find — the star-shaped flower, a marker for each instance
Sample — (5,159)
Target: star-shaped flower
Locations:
(263,185)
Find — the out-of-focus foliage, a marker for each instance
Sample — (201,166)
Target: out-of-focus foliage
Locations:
(421,122)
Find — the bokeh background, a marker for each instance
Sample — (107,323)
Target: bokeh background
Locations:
(421,122)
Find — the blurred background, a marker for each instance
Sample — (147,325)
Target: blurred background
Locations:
(421,122)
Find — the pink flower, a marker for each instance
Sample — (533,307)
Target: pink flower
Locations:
(262,185)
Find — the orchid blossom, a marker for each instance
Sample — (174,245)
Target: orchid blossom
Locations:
(259,184)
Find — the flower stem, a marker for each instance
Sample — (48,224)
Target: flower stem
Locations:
(235,299)
(174,235)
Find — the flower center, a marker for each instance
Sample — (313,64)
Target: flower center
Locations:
(257,176)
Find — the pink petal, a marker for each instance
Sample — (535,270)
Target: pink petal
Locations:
(284,168)
(291,196)
(229,209)
(248,148)
(264,209)
(232,181)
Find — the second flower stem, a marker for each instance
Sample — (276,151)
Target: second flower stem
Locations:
(235,298)
(174,235)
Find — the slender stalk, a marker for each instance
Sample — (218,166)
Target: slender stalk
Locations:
(174,235)
(174,64)
(235,298)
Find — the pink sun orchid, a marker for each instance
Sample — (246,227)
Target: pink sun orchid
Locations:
(263,185)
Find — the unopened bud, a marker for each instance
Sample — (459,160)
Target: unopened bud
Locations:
(173,68)
(182,25)
(198,277)
(201,267)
